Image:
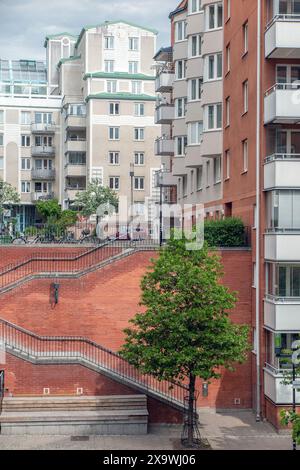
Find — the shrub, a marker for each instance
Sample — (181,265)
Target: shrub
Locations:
(229,232)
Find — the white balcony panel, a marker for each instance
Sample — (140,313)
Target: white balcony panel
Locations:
(43,151)
(164,114)
(282,39)
(168,179)
(282,172)
(279,393)
(179,167)
(164,147)
(212,143)
(71,193)
(75,122)
(282,314)
(164,81)
(282,104)
(76,146)
(42,128)
(282,247)
(75,170)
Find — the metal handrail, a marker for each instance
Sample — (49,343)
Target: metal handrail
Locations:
(285,231)
(283,17)
(280,298)
(54,349)
(283,86)
(282,156)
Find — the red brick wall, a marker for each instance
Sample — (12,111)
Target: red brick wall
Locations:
(15,254)
(273,413)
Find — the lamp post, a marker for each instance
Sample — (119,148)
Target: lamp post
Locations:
(131,174)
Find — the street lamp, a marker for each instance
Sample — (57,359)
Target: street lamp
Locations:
(159,183)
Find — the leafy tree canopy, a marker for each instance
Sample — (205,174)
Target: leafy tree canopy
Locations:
(8,195)
(94,196)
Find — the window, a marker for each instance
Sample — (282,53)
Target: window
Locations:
(136,87)
(25,163)
(217,170)
(245,155)
(1,140)
(139,133)
(195,130)
(207,173)
(25,140)
(180,69)
(245,96)
(213,117)
(199,178)
(227,164)
(214,16)
(133,67)
(43,118)
(139,158)
(43,141)
(133,44)
(111,86)
(77,110)
(25,186)
(245,37)
(2,117)
(283,209)
(114,133)
(180,31)
(214,67)
(195,89)
(114,109)
(25,118)
(181,143)
(109,42)
(184,185)
(114,158)
(109,66)
(139,109)
(1,163)
(180,106)
(228,9)
(195,45)
(139,183)
(77,158)
(195,6)
(228,58)
(227,104)
(114,183)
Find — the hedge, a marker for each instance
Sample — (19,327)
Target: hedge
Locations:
(229,232)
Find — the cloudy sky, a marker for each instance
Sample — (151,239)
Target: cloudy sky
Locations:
(25,23)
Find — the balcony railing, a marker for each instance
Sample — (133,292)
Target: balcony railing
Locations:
(293,17)
(41,174)
(42,150)
(46,128)
(282,157)
(164,146)
(281,103)
(39,196)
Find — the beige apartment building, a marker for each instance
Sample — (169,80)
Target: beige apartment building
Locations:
(88,114)
(189,107)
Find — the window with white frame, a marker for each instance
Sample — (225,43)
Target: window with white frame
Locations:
(25,140)
(214,16)
(114,158)
(111,86)
(2,117)
(133,66)
(199,178)
(25,117)
(245,155)
(227,58)
(245,36)
(207,173)
(109,66)
(133,44)
(245,96)
(195,45)
(43,141)
(180,107)
(180,31)
(43,118)
(1,163)
(139,109)
(114,183)
(227,106)
(114,109)
(217,170)
(195,89)
(109,42)
(227,164)
(114,133)
(136,87)
(213,114)
(214,67)
(1,140)
(139,133)
(139,183)
(25,186)
(194,6)
(139,158)
(180,145)
(180,69)
(195,131)
(25,163)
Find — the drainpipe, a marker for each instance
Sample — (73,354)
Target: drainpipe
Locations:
(258,122)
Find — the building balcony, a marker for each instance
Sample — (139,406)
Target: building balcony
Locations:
(42,151)
(282,37)
(75,170)
(42,128)
(282,104)
(168,179)
(164,81)
(76,122)
(179,167)
(164,114)
(212,143)
(76,145)
(193,157)
(41,175)
(41,196)
(282,245)
(275,390)
(282,313)
(164,147)
(71,192)
(282,171)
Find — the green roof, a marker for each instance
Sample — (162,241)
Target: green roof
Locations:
(119,75)
(68,59)
(53,36)
(120,96)
(86,28)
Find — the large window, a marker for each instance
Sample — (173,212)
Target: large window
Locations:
(180,147)
(133,44)
(25,140)
(77,158)
(194,6)
(45,118)
(214,67)
(111,86)
(283,209)
(139,183)
(180,69)
(213,115)
(217,170)
(136,87)
(180,107)
(214,16)
(195,130)
(114,158)
(114,183)
(133,67)
(279,349)
(139,109)
(25,117)
(180,31)
(114,133)
(114,109)
(109,66)
(195,45)
(195,89)
(109,42)
(139,133)
(283,280)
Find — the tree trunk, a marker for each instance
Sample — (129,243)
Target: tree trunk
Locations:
(191,409)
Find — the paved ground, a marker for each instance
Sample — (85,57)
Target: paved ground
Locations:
(223,431)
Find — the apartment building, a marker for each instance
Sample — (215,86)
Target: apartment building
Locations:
(190,87)
(88,114)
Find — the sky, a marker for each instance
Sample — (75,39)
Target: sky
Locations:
(25,23)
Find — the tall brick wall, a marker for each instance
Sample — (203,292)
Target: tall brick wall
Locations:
(15,254)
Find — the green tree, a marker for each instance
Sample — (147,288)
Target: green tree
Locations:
(94,196)
(290,417)
(56,219)
(49,209)
(185,331)
(8,195)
